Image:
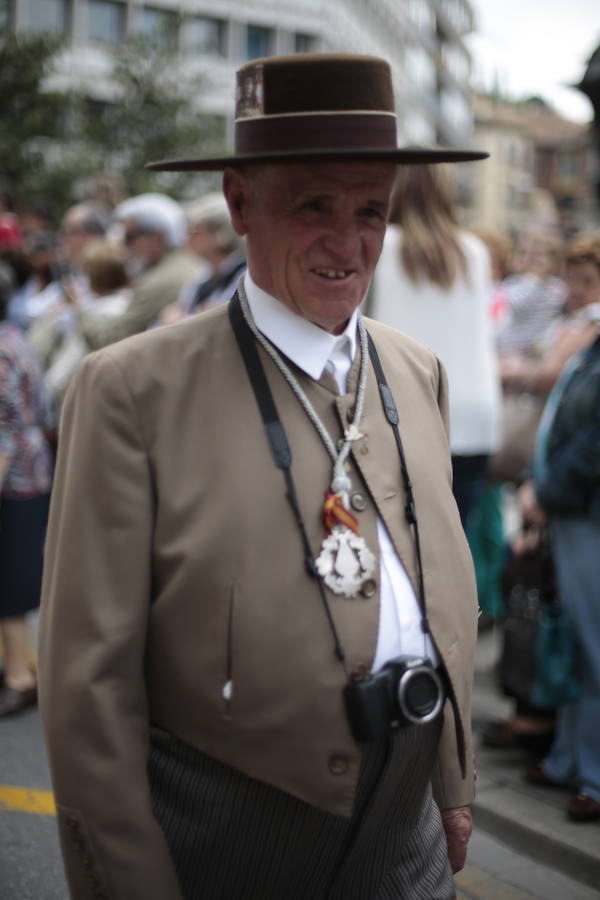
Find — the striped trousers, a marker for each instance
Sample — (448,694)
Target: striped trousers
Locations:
(234,838)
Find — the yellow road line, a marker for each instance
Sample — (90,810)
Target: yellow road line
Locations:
(24,800)
(475,884)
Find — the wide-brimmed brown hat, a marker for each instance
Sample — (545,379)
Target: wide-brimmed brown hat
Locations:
(316,106)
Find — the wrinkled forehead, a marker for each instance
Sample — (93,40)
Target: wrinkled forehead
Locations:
(324,177)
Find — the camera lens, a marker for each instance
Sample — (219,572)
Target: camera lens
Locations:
(420,694)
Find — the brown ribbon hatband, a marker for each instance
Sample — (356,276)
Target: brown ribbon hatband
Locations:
(360,131)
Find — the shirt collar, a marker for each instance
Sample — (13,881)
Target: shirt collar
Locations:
(308,346)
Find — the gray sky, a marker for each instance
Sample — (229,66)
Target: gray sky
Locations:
(536,47)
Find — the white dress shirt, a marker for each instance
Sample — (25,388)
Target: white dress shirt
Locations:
(315,351)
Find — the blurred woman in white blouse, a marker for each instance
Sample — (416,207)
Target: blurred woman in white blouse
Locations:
(434,283)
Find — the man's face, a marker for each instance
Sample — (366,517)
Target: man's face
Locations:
(533,257)
(144,248)
(204,243)
(314,232)
(73,236)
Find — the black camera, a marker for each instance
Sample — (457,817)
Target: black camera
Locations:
(407,690)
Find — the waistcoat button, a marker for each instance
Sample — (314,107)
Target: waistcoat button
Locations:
(360,670)
(358,501)
(338,764)
(369,587)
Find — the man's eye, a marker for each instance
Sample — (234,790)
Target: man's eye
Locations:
(371,212)
(312,205)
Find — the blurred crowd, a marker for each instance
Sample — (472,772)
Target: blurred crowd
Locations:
(104,274)
(101,273)
(513,318)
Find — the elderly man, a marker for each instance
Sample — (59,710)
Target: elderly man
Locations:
(154,232)
(259,609)
(82,223)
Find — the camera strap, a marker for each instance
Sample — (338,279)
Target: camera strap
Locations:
(410,510)
(280,448)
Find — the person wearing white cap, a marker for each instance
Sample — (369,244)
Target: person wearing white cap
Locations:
(154,232)
(221,251)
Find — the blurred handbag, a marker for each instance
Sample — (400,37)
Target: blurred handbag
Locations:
(521,414)
(536,662)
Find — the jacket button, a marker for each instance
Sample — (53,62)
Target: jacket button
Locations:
(358,501)
(363,449)
(338,764)
(360,670)
(369,587)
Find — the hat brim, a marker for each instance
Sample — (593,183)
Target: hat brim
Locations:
(403,156)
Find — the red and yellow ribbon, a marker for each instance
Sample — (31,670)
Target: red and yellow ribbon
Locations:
(335,513)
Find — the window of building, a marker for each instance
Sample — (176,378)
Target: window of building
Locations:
(456,110)
(160,25)
(105,21)
(517,197)
(455,61)
(457,15)
(515,153)
(205,35)
(420,68)
(6,14)
(259,41)
(304,43)
(52,16)
(566,165)
(421,14)
(99,110)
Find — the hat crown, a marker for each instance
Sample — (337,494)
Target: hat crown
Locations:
(314,83)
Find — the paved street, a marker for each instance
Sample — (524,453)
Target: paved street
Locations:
(521,850)
(30,867)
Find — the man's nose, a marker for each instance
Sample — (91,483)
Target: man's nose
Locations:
(343,239)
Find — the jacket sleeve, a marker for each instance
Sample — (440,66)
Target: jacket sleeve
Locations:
(453,776)
(94,615)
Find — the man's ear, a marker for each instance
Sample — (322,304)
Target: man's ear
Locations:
(237,193)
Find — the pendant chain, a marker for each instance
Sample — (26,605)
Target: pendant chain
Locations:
(341,483)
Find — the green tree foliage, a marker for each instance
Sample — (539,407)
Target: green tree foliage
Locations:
(151,116)
(52,144)
(30,119)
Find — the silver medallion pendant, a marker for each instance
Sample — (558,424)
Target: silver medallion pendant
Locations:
(345,562)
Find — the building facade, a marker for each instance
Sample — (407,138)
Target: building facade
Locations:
(540,171)
(422,39)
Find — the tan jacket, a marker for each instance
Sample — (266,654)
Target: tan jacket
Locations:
(174,565)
